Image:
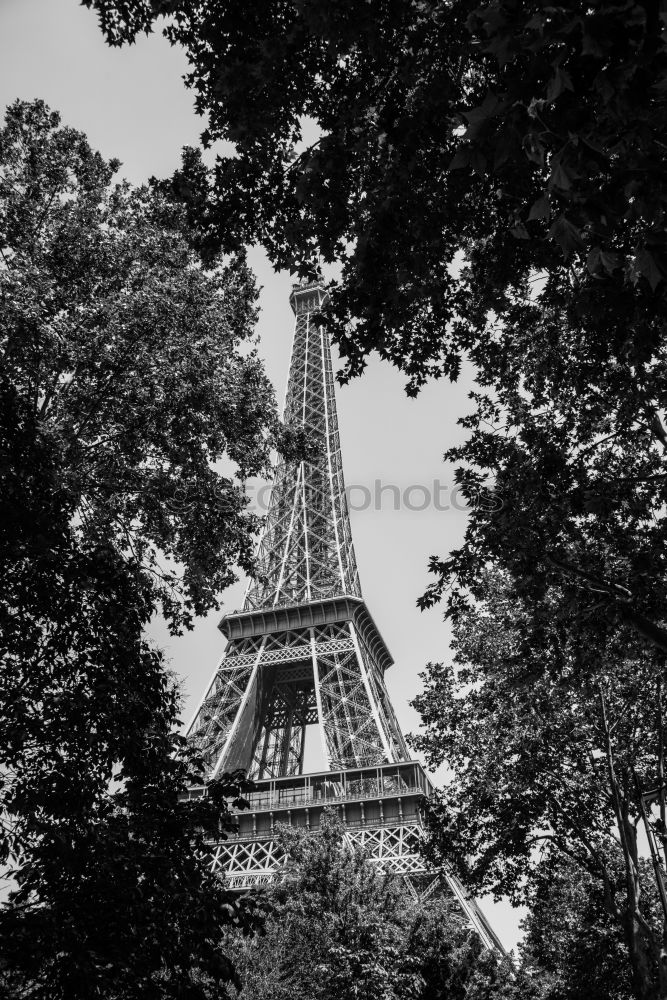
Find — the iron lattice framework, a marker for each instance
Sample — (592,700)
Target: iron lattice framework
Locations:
(306,552)
(305,651)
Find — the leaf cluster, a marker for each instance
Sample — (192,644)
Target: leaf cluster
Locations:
(529,136)
(572,946)
(135,361)
(538,775)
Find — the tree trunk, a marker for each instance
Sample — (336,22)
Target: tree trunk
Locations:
(662,966)
(642,960)
(643,951)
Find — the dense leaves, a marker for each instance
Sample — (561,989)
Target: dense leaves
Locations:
(574,443)
(530,135)
(337,927)
(126,376)
(112,898)
(130,358)
(572,948)
(549,746)
(491,179)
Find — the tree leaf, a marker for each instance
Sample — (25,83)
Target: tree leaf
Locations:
(540,209)
(648,265)
(566,235)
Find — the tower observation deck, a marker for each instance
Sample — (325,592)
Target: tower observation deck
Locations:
(304,655)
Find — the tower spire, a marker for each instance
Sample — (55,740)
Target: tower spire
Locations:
(306,551)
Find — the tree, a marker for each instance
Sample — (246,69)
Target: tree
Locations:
(132,358)
(337,927)
(529,134)
(452,962)
(573,949)
(573,443)
(127,375)
(549,747)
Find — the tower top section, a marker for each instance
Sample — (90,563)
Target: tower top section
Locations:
(306,552)
(308,296)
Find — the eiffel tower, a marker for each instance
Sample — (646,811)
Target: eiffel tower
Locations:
(305,652)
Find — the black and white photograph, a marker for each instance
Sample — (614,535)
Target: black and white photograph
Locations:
(333,500)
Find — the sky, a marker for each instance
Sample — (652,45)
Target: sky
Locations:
(133,105)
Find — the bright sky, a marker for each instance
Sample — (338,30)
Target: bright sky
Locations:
(132,104)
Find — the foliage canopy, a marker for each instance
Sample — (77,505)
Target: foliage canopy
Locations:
(490,177)
(338,927)
(528,135)
(125,377)
(540,774)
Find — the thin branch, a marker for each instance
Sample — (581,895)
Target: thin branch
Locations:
(647,628)
(661,769)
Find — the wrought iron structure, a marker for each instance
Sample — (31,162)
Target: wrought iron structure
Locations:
(305,651)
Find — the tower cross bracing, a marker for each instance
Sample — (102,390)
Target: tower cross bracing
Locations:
(304,651)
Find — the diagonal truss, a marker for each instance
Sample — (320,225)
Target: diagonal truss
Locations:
(269,687)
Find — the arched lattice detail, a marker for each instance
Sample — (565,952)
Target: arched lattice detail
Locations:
(215,716)
(248,864)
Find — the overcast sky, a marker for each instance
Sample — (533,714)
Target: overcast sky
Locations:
(132,104)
